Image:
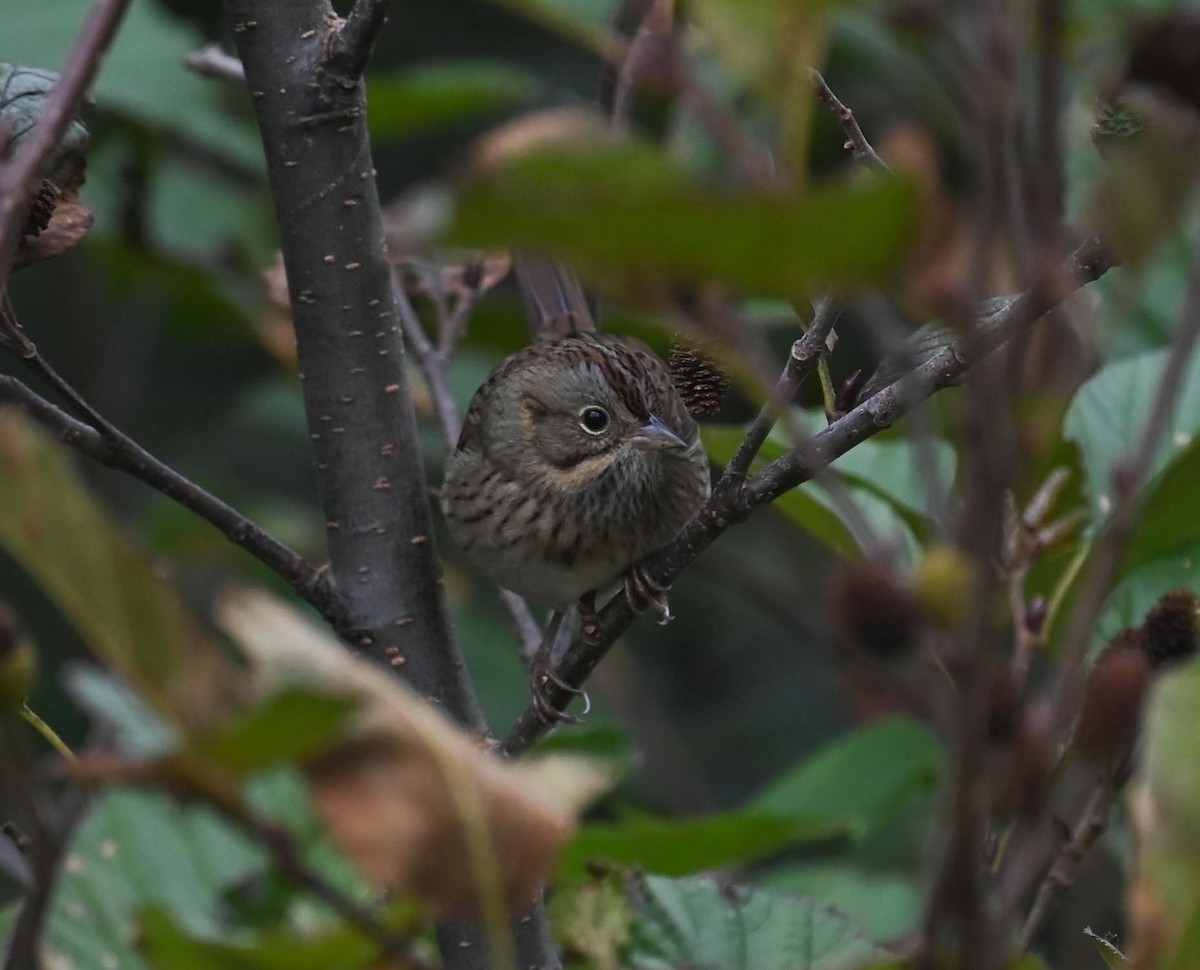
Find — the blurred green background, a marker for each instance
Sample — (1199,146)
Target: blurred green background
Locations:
(161,320)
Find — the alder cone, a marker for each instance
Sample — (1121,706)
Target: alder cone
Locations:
(1112,700)
(1170,628)
(697,378)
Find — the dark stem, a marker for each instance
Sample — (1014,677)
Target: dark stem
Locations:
(20,178)
(50,838)
(1092,823)
(805,355)
(280,845)
(856,141)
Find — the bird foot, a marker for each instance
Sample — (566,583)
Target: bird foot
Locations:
(643,592)
(543,676)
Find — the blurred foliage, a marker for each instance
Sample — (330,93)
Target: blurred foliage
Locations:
(737,727)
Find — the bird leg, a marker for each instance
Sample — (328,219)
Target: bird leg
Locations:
(589,620)
(643,592)
(542,673)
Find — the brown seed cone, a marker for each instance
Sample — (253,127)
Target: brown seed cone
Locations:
(874,612)
(1170,628)
(698,379)
(41,209)
(1112,700)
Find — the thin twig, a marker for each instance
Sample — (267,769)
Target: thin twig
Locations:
(856,141)
(802,360)
(283,850)
(19,178)
(50,836)
(122,453)
(210,61)
(358,35)
(1092,823)
(430,362)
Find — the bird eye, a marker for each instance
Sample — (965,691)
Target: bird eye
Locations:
(593,419)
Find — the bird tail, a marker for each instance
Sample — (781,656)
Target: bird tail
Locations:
(553,296)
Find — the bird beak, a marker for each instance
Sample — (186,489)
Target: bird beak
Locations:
(654,435)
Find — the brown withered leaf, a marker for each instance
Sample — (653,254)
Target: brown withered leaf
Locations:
(558,127)
(419,805)
(68,224)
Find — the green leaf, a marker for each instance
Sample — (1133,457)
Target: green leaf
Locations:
(292,726)
(1161,528)
(137,731)
(860,780)
(143,76)
(594,920)
(136,850)
(886,485)
(626,214)
(400,104)
(1106,419)
(584,22)
(887,905)
(683,846)
(696,922)
(1169,827)
(1109,412)
(169,947)
(57,533)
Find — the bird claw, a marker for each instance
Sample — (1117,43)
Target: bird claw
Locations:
(643,592)
(545,707)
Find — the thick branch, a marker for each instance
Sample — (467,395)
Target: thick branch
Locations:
(944,368)
(356,395)
(312,115)
(118,451)
(19,181)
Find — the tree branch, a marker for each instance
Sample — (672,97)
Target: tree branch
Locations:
(856,141)
(210,61)
(118,451)
(351,351)
(942,369)
(356,38)
(19,180)
(805,355)
(1092,823)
